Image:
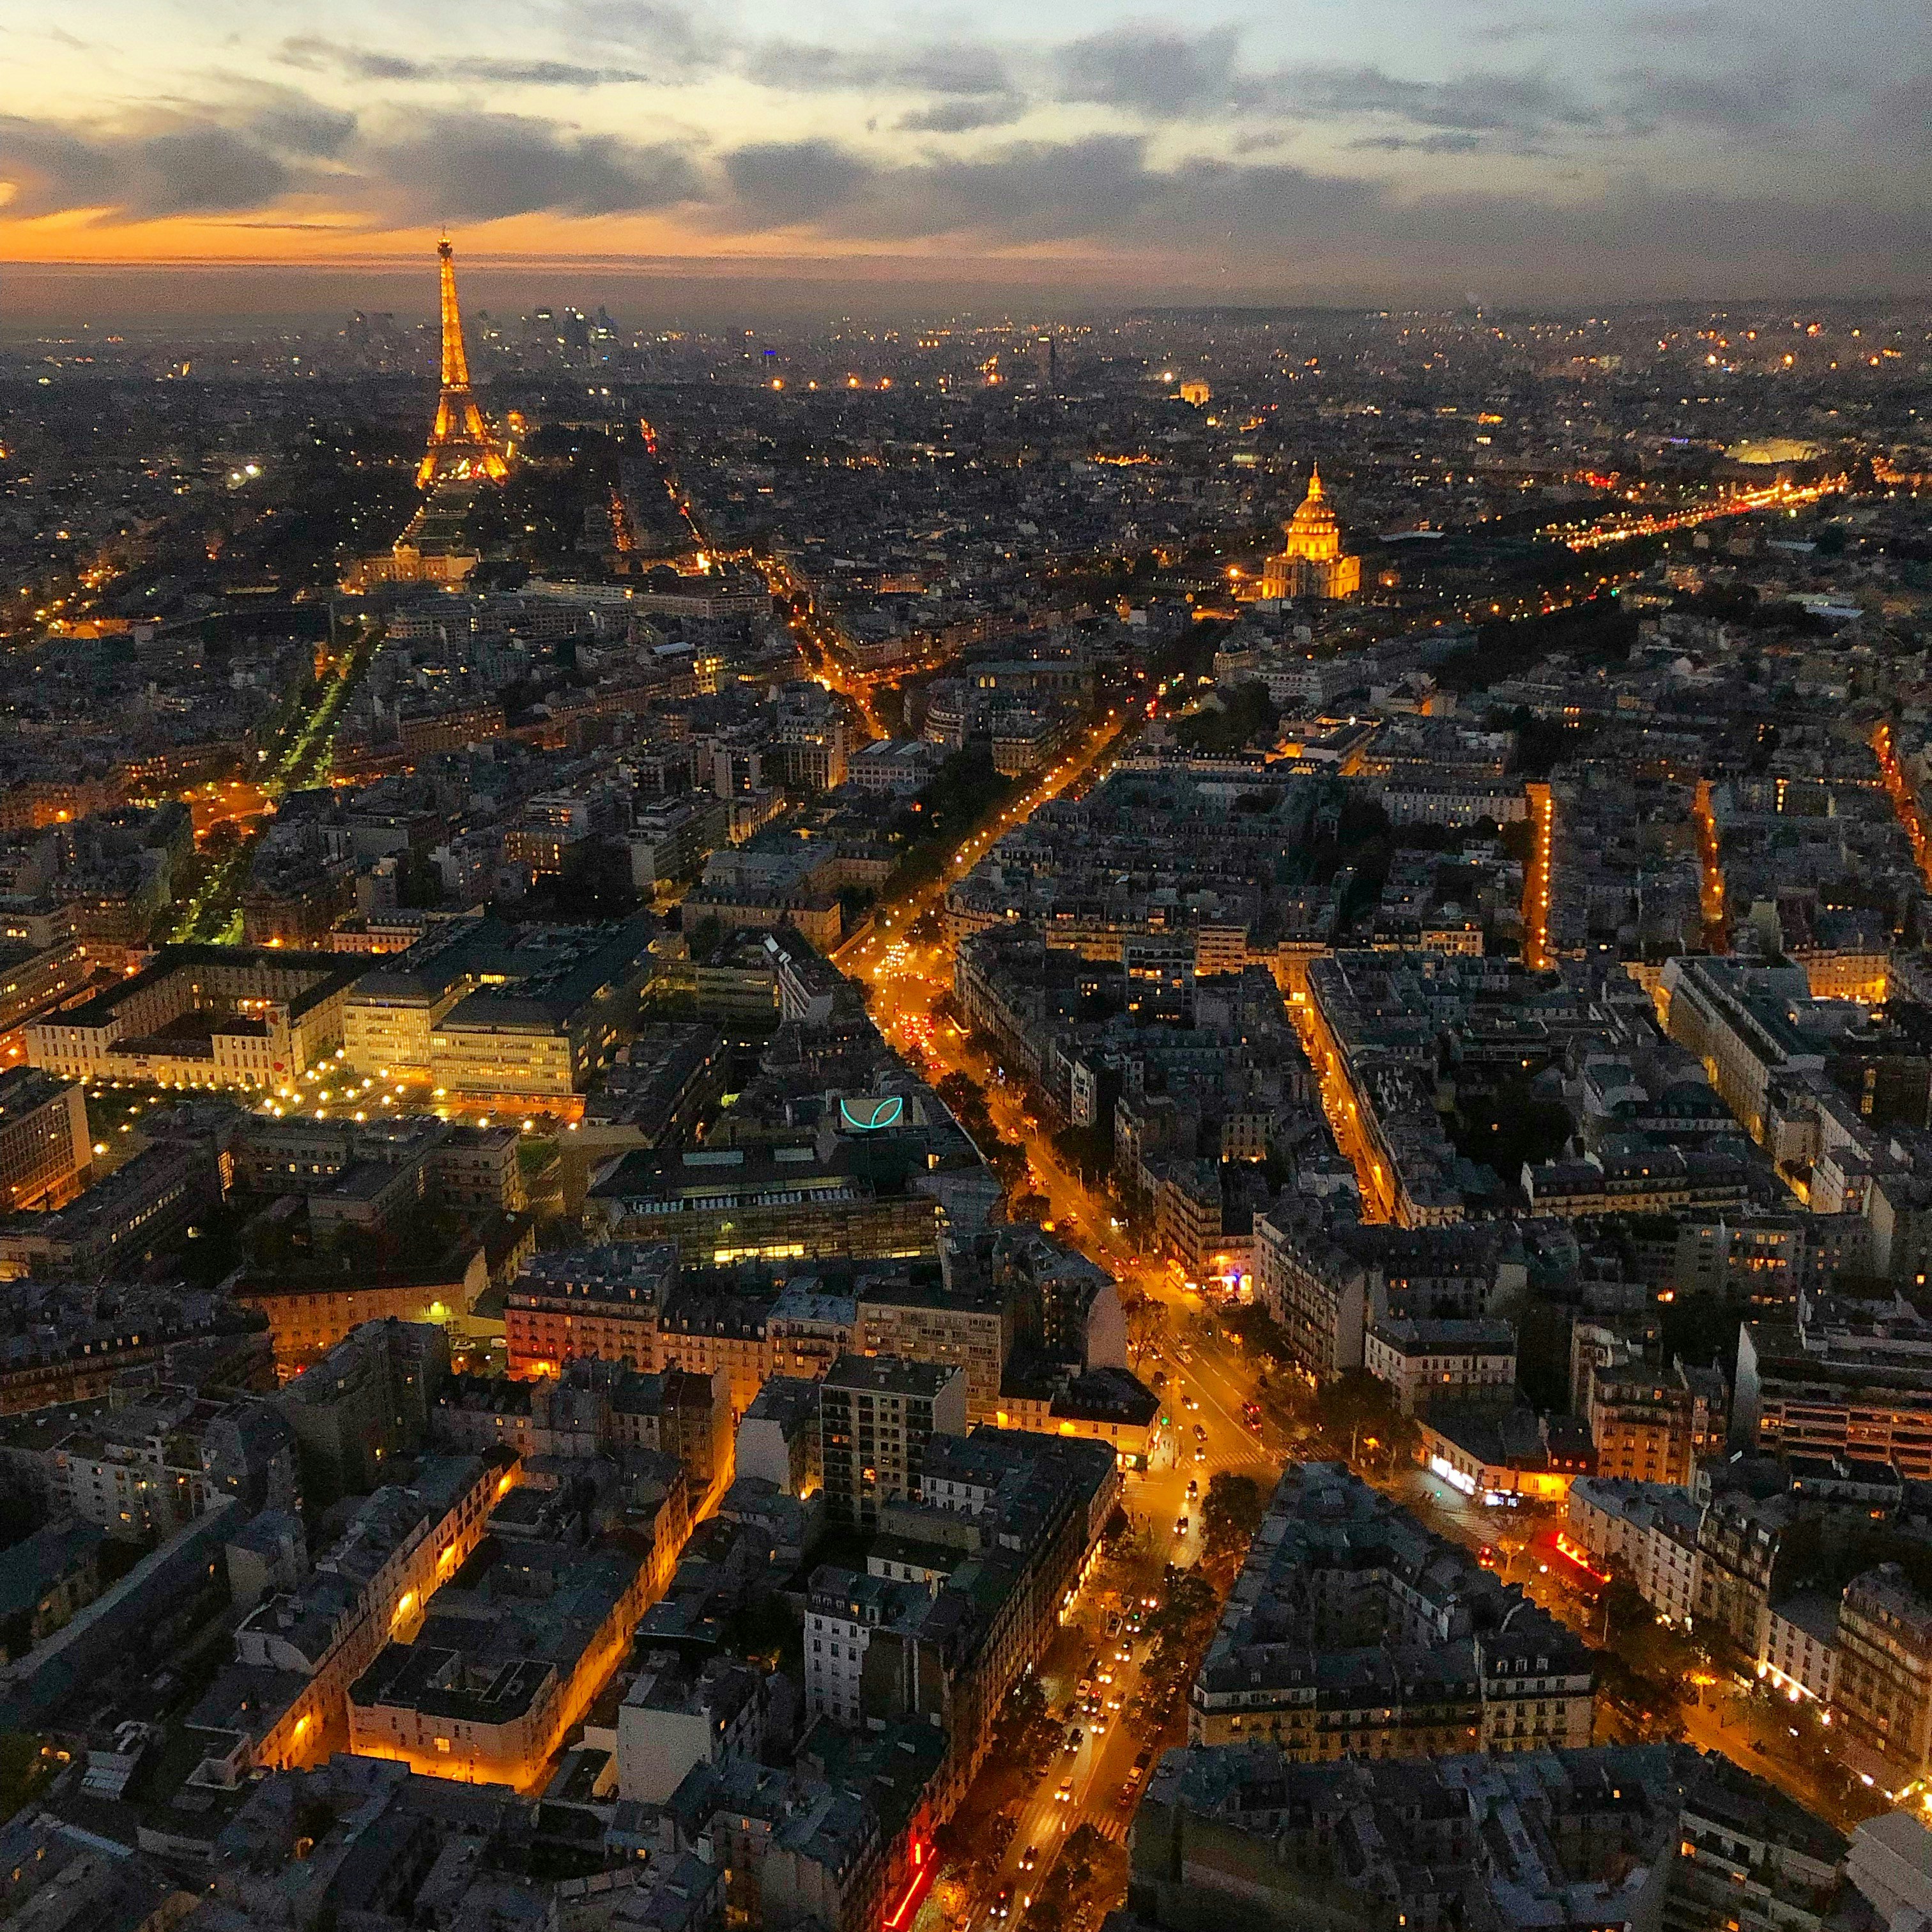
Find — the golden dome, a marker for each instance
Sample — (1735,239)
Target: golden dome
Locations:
(1313,531)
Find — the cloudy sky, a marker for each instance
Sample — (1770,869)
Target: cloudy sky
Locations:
(1309,149)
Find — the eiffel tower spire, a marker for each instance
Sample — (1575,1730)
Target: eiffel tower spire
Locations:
(460,444)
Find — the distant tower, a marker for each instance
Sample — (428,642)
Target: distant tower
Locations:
(459,443)
(1311,562)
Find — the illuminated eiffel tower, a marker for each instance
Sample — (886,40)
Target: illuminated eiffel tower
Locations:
(460,443)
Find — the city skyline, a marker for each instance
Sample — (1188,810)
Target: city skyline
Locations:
(966,973)
(1469,153)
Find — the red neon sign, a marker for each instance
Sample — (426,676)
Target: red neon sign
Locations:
(923,1867)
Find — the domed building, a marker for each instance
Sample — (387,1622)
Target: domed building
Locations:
(1311,562)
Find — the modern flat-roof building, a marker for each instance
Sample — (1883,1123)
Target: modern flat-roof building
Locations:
(1846,1377)
(45,1153)
(723,1204)
(397,1005)
(547,1014)
(503,1017)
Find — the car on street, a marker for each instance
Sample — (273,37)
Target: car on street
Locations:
(1029,1857)
(1002,1904)
(1181,1525)
(1064,1795)
(1127,1796)
(1076,1738)
(1193,1487)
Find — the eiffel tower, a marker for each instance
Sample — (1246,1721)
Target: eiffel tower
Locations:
(460,444)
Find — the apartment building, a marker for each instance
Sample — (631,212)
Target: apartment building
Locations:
(308,1316)
(487,1696)
(1026,1513)
(1353,1632)
(876,1415)
(401,1543)
(1750,1025)
(681,1413)
(45,1579)
(1641,1420)
(602,1301)
(679,1713)
(1800,1649)
(145,1469)
(706,1326)
(1423,1362)
(968,1325)
(1325,1278)
(843,1608)
(778,1437)
(366,1402)
(1650,1529)
(1610,1838)
(1882,1699)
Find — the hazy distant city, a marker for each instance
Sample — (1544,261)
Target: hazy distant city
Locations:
(1030,1121)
